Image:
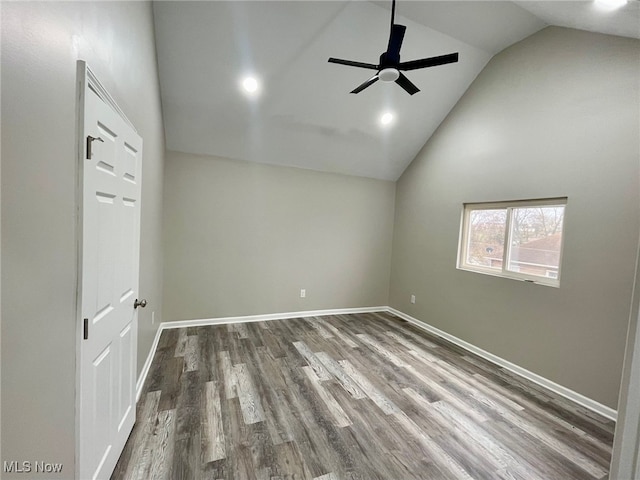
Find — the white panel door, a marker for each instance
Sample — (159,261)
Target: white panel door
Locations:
(110,267)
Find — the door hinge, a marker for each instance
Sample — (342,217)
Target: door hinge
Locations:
(86,329)
(90,140)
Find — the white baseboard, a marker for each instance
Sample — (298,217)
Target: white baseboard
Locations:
(147,364)
(576,397)
(269,316)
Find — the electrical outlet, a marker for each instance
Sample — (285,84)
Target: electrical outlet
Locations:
(303,293)
(413,299)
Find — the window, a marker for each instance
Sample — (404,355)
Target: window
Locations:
(520,240)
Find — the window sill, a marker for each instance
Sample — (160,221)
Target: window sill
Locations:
(526,279)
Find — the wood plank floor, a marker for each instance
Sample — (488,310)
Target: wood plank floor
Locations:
(366,396)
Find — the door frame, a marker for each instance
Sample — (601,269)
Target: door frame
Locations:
(625,459)
(85,80)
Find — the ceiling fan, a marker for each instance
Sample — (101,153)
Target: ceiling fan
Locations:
(390,68)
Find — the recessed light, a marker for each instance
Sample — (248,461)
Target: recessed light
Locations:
(610,4)
(250,85)
(386,118)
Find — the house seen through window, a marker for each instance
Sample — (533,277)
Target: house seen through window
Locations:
(520,240)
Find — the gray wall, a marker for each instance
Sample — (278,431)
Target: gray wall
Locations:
(244,238)
(554,115)
(40,45)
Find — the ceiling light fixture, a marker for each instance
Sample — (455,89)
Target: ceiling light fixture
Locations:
(386,118)
(389,75)
(610,4)
(250,85)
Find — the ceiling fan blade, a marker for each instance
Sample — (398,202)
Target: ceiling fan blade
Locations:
(366,84)
(405,83)
(395,41)
(353,64)
(429,62)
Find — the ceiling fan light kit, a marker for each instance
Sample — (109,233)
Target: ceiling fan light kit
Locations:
(389,75)
(389,68)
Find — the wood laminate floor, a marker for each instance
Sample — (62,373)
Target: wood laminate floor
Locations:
(366,396)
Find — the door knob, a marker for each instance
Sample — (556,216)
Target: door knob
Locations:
(140,303)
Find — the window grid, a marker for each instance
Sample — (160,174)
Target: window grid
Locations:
(530,247)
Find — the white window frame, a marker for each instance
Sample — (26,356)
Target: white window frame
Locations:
(504,272)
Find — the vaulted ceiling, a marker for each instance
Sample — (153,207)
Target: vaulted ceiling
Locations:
(303,115)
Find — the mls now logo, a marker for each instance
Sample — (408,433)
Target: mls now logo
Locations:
(31,467)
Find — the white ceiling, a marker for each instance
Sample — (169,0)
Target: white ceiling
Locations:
(304,116)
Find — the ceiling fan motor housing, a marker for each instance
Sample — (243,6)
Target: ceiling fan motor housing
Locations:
(389,59)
